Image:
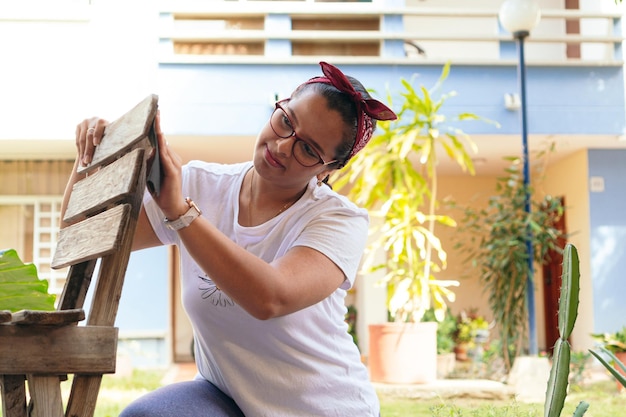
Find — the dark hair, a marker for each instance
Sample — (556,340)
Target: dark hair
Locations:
(342,103)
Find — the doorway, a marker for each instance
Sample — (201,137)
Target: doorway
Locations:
(552,271)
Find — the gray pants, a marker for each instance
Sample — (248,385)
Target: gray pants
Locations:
(198,398)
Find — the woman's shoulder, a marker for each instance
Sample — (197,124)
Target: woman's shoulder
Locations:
(326,197)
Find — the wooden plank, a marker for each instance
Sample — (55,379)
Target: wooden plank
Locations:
(83,396)
(5,316)
(13,390)
(95,237)
(110,185)
(39,349)
(125,132)
(50,318)
(77,285)
(45,394)
(108,290)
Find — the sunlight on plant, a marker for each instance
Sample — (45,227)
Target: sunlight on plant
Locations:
(395,178)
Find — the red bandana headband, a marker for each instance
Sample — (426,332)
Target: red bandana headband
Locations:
(367,108)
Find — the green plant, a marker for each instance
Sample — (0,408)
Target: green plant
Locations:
(395,178)
(578,365)
(556,392)
(495,241)
(468,324)
(614,342)
(446,330)
(20,287)
(351,322)
(568,311)
(607,363)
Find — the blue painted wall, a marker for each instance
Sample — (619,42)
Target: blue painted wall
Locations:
(224,99)
(608,239)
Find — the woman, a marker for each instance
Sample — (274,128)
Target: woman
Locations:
(267,254)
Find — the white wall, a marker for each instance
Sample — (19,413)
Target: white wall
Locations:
(56,73)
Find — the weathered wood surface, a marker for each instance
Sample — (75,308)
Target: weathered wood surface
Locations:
(124,132)
(77,285)
(97,236)
(42,350)
(103,209)
(110,185)
(13,395)
(45,392)
(49,318)
(83,396)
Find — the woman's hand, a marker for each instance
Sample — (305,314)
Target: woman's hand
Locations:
(89,133)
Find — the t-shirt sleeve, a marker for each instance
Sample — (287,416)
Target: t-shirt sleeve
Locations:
(165,235)
(341,235)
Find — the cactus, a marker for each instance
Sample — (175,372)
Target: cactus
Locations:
(568,310)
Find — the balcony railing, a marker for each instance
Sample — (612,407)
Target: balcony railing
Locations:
(370,32)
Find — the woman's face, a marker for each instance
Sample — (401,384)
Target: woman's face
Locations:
(314,123)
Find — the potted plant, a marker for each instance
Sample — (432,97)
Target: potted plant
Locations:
(471,329)
(494,240)
(614,342)
(395,178)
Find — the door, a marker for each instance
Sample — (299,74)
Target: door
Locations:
(552,285)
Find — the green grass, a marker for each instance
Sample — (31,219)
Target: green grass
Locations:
(603,397)
(117,392)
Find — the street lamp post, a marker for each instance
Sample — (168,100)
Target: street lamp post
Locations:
(519,17)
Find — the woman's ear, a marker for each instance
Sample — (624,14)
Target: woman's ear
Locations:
(322,178)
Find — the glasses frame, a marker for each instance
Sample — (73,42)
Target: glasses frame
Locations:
(297,139)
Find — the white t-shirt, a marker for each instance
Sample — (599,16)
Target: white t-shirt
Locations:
(301,364)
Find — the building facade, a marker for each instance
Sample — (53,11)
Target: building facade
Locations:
(219,66)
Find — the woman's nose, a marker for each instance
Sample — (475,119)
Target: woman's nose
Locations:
(284,146)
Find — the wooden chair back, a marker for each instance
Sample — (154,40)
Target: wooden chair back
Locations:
(41,348)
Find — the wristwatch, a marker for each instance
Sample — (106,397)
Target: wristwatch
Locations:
(186,219)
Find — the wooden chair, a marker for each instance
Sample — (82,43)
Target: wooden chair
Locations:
(42,348)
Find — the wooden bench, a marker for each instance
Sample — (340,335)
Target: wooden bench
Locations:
(42,348)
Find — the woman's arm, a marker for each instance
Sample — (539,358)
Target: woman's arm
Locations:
(301,278)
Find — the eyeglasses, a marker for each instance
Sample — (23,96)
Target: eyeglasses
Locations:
(305,154)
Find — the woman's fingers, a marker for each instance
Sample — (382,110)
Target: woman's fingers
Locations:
(89,134)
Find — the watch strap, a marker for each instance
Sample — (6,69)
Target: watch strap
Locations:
(184,220)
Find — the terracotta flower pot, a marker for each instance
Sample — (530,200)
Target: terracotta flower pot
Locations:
(403,353)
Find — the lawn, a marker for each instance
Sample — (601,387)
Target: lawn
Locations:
(603,397)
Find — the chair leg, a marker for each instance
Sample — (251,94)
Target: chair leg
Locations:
(13,391)
(45,394)
(84,395)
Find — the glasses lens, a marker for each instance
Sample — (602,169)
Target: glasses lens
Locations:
(280,123)
(305,154)
(302,151)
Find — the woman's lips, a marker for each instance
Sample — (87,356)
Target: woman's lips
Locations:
(271,160)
